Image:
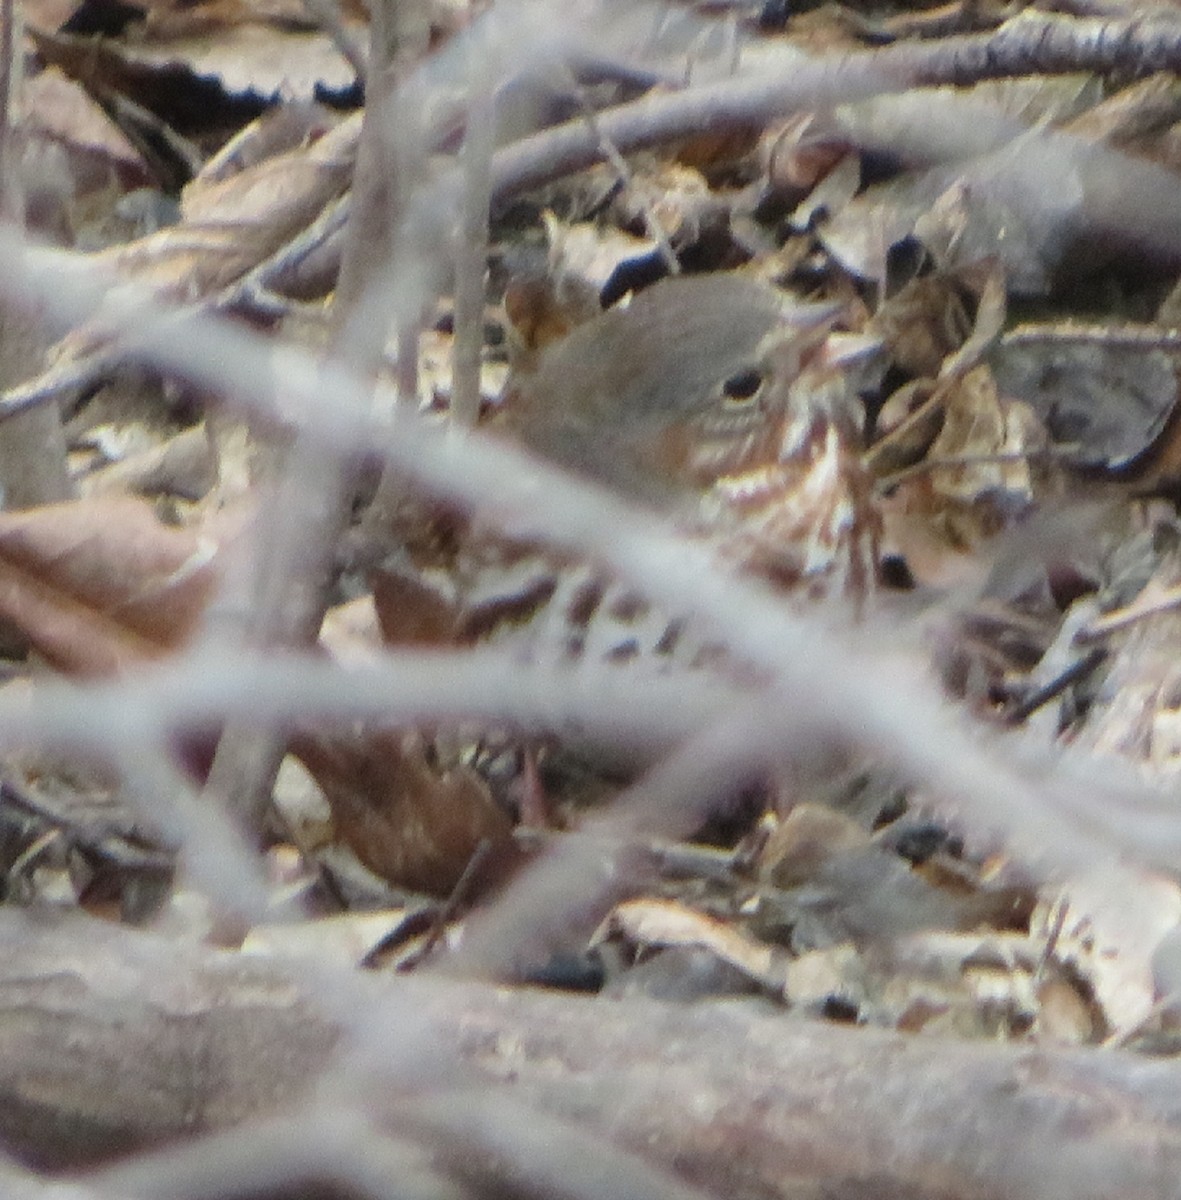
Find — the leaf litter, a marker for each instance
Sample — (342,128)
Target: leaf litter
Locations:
(903,383)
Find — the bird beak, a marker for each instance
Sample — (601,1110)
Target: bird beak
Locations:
(808,318)
(799,341)
(849,349)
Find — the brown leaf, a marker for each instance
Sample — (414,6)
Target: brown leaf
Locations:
(409,819)
(981,472)
(415,608)
(406,819)
(800,152)
(804,840)
(934,554)
(672,197)
(229,226)
(62,111)
(100,584)
(539,313)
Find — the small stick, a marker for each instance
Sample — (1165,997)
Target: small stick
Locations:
(447,910)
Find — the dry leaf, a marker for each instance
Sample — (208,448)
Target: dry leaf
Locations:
(979,425)
(541,311)
(1104,397)
(980,476)
(1135,713)
(1107,926)
(804,840)
(405,818)
(922,323)
(59,109)
(415,607)
(965,985)
(1064,1015)
(986,208)
(584,258)
(232,225)
(650,923)
(186,50)
(184,465)
(674,197)
(99,585)
(408,816)
(1138,118)
(343,940)
(799,153)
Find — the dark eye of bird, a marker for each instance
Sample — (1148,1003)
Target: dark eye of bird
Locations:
(743,386)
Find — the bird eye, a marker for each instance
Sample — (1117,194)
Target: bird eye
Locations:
(743,386)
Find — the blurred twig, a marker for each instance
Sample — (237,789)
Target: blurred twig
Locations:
(287,581)
(863,690)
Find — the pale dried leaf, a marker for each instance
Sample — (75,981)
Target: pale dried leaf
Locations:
(660,923)
(979,424)
(61,109)
(343,940)
(1109,931)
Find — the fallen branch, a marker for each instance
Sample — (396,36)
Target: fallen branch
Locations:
(112,1040)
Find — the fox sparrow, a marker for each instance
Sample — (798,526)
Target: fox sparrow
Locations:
(714,398)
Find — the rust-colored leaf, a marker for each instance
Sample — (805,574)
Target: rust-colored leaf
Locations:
(406,819)
(415,608)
